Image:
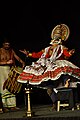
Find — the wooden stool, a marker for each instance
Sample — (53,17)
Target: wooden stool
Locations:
(59,105)
(64,95)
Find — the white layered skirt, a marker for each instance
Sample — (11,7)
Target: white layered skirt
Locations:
(37,73)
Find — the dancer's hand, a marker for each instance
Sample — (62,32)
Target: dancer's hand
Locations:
(25,52)
(72,51)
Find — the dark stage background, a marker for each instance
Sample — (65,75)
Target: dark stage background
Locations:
(28,24)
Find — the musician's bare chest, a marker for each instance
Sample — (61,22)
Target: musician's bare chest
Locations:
(5,55)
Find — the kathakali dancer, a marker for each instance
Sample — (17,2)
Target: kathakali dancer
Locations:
(53,60)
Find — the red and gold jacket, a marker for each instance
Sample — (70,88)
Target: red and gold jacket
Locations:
(65,55)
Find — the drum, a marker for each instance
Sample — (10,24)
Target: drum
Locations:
(11,83)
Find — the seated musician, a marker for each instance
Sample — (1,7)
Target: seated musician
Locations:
(7,59)
(66,81)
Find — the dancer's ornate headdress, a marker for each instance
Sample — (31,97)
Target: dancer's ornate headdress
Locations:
(60,31)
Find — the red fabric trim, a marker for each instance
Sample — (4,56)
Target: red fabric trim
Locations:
(37,55)
(49,74)
(66,53)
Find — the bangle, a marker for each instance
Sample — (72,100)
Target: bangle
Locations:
(30,54)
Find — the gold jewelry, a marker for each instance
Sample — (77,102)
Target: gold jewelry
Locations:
(30,54)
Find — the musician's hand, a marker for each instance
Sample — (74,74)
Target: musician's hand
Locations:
(10,62)
(23,64)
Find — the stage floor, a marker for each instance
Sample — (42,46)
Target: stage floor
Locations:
(41,111)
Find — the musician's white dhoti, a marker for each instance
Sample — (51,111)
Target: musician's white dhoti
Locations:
(8,99)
